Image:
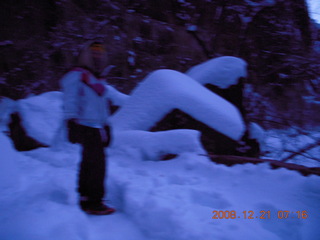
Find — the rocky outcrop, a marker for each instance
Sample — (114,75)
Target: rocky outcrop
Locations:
(39,40)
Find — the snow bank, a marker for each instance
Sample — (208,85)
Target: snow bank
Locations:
(7,106)
(166,200)
(34,204)
(165,90)
(42,118)
(174,200)
(10,175)
(118,98)
(221,71)
(42,115)
(154,145)
(49,221)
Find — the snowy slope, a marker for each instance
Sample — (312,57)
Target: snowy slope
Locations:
(175,199)
(7,106)
(38,200)
(164,90)
(156,200)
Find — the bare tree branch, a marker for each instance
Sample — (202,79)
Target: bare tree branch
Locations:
(306,155)
(301,151)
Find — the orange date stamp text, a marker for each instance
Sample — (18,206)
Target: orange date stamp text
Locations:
(263,214)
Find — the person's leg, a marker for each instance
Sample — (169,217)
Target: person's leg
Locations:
(93,165)
(92,173)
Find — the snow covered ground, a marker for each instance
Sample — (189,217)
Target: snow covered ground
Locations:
(156,200)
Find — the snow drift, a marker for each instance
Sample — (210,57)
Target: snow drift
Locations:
(154,145)
(42,115)
(221,71)
(165,90)
(7,106)
(164,200)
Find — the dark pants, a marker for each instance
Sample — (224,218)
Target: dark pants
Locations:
(93,165)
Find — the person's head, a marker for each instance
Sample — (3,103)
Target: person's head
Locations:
(93,56)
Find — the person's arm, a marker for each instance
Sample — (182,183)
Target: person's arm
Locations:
(70,84)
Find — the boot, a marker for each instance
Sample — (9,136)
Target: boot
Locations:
(95,207)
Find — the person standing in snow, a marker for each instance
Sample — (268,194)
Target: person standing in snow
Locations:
(86,111)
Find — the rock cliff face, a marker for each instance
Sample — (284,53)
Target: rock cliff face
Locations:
(39,40)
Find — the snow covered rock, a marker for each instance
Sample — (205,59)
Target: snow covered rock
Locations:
(154,145)
(7,106)
(10,175)
(165,90)
(221,71)
(118,98)
(224,76)
(42,115)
